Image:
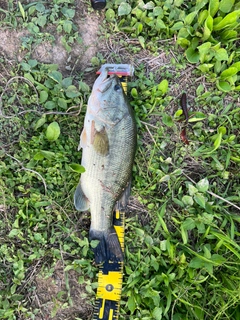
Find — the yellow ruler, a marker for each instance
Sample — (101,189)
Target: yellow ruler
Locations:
(110,279)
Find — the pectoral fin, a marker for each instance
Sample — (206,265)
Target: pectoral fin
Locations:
(101,142)
(83,139)
(80,200)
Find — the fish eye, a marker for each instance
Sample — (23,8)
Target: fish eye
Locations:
(117,87)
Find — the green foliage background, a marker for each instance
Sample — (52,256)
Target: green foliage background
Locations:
(182,234)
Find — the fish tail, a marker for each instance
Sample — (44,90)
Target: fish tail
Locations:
(108,248)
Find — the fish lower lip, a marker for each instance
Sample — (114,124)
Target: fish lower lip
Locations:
(107,84)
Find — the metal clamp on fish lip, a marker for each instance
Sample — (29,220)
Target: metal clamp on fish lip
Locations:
(118,69)
(122,70)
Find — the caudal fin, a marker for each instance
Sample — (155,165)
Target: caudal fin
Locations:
(108,248)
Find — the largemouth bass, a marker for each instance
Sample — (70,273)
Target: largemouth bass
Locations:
(108,143)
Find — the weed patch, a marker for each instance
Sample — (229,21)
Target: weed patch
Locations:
(182,226)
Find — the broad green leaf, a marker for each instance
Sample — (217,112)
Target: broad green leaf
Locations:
(68,13)
(217,142)
(158,12)
(236,65)
(160,24)
(84,87)
(25,66)
(217,67)
(184,43)
(149,5)
(222,130)
(183,33)
(40,7)
(56,76)
(38,156)
(204,51)
(167,120)
(226,5)
(50,105)
(202,16)
(124,9)
(44,154)
(41,21)
(165,178)
(228,20)
(41,204)
(224,86)
(221,54)
(192,55)
(67,26)
(33,62)
(188,224)
(197,116)
(131,303)
(139,28)
(43,96)
(72,92)
(53,131)
(141,41)
(157,313)
(77,168)
(231,71)
(62,103)
(13,233)
(208,27)
(134,93)
(229,34)
(187,200)
(199,199)
(110,15)
(213,7)
(205,67)
(177,26)
(203,185)
(190,17)
(178,113)
(29,77)
(163,86)
(192,190)
(218,259)
(40,122)
(196,263)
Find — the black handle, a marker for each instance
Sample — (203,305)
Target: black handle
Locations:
(98,4)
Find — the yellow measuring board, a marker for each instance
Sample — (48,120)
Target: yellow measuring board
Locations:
(110,279)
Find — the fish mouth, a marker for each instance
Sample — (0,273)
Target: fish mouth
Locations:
(104,82)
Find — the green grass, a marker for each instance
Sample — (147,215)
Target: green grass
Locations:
(182,227)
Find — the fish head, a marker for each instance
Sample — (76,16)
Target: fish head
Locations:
(108,99)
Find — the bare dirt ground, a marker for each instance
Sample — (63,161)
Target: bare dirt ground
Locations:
(47,52)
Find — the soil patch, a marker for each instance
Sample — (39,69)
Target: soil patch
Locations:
(60,296)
